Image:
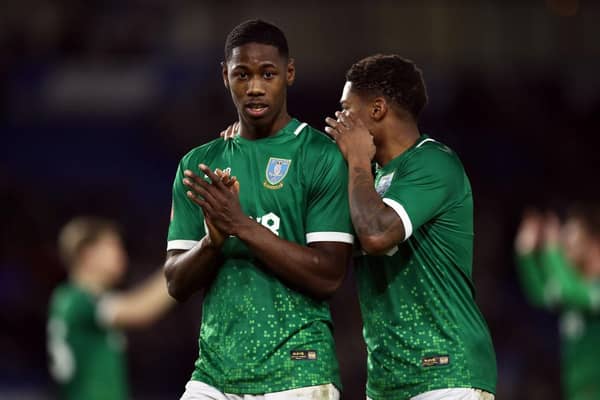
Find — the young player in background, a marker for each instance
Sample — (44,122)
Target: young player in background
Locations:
(559,267)
(426,338)
(270,253)
(85,345)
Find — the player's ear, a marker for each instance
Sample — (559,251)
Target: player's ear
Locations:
(379,108)
(224,71)
(291,72)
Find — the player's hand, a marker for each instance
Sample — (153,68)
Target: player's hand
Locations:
(529,234)
(220,203)
(551,232)
(231,131)
(230,181)
(216,237)
(351,135)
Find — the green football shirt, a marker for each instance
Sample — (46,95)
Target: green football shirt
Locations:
(422,327)
(551,281)
(86,358)
(257,334)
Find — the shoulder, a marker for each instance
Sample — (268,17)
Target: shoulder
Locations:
(320,147)
(71,303)
(434,157)
(200,152)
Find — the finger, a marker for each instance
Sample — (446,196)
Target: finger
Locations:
(209,173)
(332,122)
(229,132)
(214,179)
(194,179)
(345,120)
(332,132)
(228,181)
(199,201)
(198,190)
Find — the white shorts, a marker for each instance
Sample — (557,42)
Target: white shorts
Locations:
(196,390)
(454,394)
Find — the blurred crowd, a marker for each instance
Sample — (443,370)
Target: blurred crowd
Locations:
(99,100)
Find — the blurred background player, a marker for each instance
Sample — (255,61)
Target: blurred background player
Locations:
(559,267)
(426,338)
(85,344)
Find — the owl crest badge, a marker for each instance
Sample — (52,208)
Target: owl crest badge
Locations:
(277,169)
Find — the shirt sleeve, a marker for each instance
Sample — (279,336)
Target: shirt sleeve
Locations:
(187,220)
(532,277)
(81,311)
(427,185)
(328,213)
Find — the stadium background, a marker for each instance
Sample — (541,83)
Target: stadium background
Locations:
(100,99)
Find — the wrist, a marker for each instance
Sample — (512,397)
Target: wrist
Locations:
(208,243)
(243,228)
(359,160)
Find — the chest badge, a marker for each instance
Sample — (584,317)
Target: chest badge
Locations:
(277,169)
(384,184)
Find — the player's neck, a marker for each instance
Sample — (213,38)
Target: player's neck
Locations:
(396,137)
(87,281)
(253,131)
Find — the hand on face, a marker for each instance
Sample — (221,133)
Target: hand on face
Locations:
(351,135)
(219,200)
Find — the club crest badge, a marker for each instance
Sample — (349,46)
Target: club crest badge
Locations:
(384,184)
(277,169)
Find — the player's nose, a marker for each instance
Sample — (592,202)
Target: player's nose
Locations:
(255,88)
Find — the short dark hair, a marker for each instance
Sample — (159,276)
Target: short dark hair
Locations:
(256,31)
(392,76)
(80,233)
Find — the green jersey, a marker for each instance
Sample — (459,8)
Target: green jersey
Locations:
(551,281)
(257,334)
(87,359)
(422,327)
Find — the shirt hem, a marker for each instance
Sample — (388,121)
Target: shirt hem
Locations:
(375,395)
(258,390)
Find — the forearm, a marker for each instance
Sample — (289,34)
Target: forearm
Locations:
(313,271)
(192,270)
(143,304)
(532,277)
(368,211)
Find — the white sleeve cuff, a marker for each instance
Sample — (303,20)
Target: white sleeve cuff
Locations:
(105,310)
(408,228)
(329,237)
(181,244)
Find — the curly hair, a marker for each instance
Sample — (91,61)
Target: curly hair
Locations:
(393,77)
(256,31)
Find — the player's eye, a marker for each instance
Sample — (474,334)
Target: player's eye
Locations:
(242,75)
(269,75)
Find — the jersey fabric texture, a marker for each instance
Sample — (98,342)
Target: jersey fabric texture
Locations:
(551,282)
(87,358)
(257,334)
(422,327)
